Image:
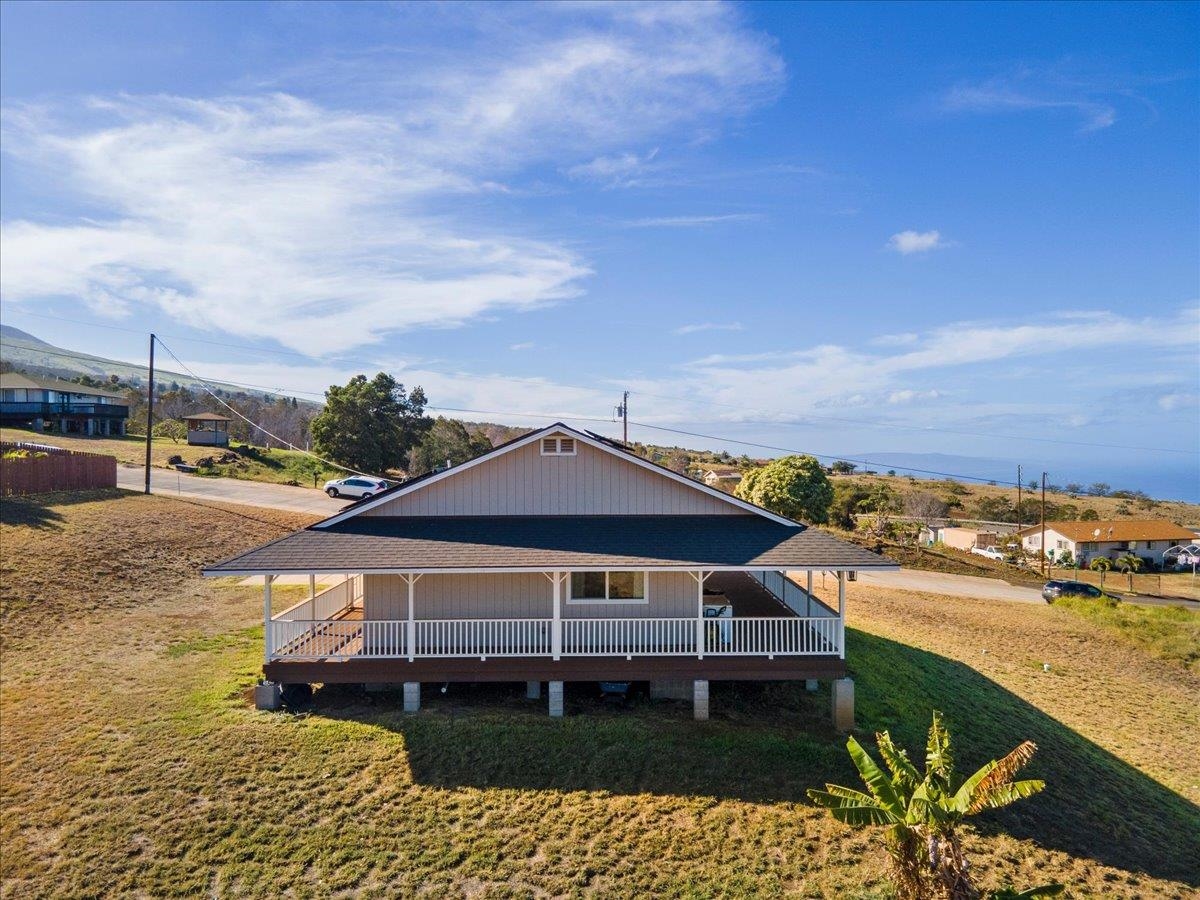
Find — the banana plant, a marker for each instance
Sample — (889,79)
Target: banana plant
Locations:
(922,811)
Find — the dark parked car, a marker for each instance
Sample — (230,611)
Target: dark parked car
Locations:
(1052,590)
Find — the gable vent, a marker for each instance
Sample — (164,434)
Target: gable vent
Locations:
(558,446)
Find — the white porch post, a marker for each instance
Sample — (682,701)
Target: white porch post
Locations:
(267,579)
(312,595)
(700,577)
(556,626)
(410,628)
(842,614)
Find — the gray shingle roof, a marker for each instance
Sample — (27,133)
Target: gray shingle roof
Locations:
(365,544)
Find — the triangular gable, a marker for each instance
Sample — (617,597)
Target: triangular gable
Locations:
(711,495)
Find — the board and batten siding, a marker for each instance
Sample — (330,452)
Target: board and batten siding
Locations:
(514,595)
(522,482)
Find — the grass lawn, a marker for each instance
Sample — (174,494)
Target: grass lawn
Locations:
(1168,632)
(131,762)
(256,464)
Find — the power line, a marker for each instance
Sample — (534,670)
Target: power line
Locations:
(871,423)
(288,444)
(553,416)
(88,358)
(863,462)
(356,360)
(205,384)
(516,379)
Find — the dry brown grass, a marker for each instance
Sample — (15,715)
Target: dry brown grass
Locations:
(275,466)
(131,763)
(1106,507)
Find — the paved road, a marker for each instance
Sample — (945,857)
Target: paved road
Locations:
(986,588)
(953,585)
(230,490)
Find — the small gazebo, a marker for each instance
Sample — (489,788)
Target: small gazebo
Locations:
(208,430)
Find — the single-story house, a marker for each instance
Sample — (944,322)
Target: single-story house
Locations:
(963,538)
(718,477)
(207,429)
(559,556)
(28,401)
(1085,541)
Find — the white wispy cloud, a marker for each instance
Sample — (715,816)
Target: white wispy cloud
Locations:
(272,216)
(1086,97)
(907,242)
(523,345)
(622,170)
(708,326)
(691,221)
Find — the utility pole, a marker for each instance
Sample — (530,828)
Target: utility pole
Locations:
(1043,541)
(149,413)
(1018,498)
(623,412)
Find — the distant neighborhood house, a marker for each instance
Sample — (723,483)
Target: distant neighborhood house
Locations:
(62,406)
(963,538)
(207,430)
(1085,541)
(722,477)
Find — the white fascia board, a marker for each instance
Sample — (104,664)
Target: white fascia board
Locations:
(537,435)
(417,570)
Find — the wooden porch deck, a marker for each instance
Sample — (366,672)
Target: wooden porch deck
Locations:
(346,661)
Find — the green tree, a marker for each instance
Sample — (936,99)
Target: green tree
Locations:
(370,425)
(1130,565)
(883,504)
(841,467)
(171,428)
(995,509)
(1101,564)
(848,497)
(447,439)
(1089,515)
(793,486)
(923,812)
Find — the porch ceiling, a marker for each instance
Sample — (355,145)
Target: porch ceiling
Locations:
(543,543)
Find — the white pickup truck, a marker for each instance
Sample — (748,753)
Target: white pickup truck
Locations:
(991,552)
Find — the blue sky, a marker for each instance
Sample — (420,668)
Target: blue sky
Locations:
(964,229)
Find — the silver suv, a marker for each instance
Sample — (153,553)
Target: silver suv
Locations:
(357,487)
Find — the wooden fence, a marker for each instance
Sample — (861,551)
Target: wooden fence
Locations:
(53,469)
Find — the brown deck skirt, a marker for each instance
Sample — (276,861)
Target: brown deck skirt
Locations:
(574,668)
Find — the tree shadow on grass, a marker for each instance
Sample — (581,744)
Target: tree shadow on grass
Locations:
(770,742)
(41,510)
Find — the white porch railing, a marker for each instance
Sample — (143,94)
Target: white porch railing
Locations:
(629,637)
(773,636)
(448,638)
(796,598)
(325,604)
(482,637)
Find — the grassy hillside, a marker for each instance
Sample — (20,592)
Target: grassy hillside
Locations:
(132,763)
(252,463)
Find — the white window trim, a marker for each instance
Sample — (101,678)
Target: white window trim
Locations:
(608,601)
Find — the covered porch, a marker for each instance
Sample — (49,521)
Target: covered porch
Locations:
(760,615)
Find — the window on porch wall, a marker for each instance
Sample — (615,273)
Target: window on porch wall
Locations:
(602,587)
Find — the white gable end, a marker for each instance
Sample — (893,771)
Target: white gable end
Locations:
(557,475)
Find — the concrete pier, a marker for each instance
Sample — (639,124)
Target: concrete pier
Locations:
(412,696)
(700,700)
(842,693)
